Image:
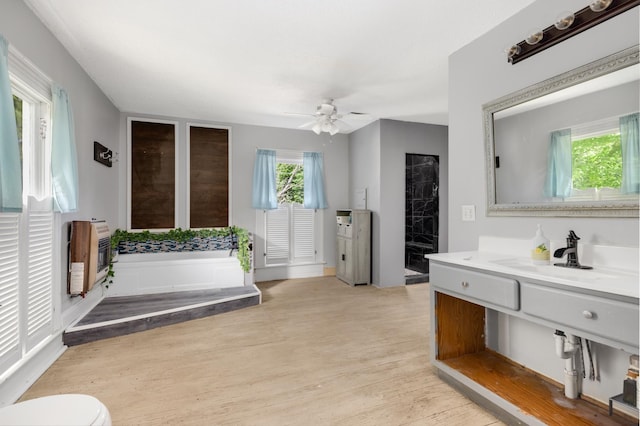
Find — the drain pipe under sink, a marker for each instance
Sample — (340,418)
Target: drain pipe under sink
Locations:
(570,342)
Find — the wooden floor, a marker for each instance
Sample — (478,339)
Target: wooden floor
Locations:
(117,316)
(115,308)
(532,393)
(315,352)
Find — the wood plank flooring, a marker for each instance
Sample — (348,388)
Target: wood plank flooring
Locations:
(531,393)
(117,316)
(113,308)
(315,352)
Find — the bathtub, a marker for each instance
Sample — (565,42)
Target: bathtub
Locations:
(146,273)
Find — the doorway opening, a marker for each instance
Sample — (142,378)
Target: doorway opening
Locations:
(421,215)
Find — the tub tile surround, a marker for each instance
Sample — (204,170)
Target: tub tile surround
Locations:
(195,244)
(469,288)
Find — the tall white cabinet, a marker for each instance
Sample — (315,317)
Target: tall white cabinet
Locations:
(353,265)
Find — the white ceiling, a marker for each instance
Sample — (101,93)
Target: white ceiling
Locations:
(253,61)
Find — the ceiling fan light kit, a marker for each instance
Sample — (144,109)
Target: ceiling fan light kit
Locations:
(325,125)
(326,119)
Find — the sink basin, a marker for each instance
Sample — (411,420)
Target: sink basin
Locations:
(556,271)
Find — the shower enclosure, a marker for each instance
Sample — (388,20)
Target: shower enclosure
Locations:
(421,214)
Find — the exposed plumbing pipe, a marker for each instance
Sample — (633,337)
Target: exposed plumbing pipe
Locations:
(566,348)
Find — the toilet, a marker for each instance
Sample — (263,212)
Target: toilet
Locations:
(62,410)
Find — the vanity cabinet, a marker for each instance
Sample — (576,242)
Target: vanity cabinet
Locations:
(353,246)
(485,288)
(463,297)
(612,321)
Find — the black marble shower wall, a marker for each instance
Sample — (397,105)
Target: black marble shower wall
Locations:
(421,210)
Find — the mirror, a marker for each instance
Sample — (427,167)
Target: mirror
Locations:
(585,105)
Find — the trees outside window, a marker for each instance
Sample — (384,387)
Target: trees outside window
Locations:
(597,162)
(290,183)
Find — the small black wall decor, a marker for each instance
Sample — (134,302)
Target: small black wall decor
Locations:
(102,154)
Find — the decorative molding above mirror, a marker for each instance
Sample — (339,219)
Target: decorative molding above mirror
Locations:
(586,103)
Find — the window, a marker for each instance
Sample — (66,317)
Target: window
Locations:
(164,195)
(596,160)
(209,167)
(152,174)
(27,238)
(291,230)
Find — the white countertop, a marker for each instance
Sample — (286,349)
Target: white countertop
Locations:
(608,279)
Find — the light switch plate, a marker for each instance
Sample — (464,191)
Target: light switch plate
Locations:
(469,213)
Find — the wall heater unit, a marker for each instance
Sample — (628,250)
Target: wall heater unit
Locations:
(89,255)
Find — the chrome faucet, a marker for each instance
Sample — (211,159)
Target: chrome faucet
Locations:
(571,250)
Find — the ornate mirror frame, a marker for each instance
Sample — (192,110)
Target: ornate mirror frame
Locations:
(611,208)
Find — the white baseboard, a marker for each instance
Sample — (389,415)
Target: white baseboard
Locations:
(82,306)
(283,272)
(20,377)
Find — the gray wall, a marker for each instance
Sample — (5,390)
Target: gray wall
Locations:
(522,140)
(364,173)
(378,164)
(479,73)
(96,119)
(397,139)
(492,78)
(245,139)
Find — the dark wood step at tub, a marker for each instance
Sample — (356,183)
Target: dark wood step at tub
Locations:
(117,316)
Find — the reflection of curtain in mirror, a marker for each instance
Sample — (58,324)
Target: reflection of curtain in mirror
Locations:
(630,141)
(558,179)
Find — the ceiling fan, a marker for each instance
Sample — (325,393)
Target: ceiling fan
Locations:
(326,119)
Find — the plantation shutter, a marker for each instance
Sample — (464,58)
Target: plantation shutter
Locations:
(303,234)
(291,231)
(9,275)
(27,238)
(277,241)
(39,273)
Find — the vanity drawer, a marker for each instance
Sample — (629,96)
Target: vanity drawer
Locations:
(477,285)
(608,318)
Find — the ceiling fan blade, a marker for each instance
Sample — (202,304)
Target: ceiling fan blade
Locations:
(342,125)
(307,125)
(299,114)
(354,114)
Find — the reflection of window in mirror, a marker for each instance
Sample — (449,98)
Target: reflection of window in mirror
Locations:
(597,161)
(596,157)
